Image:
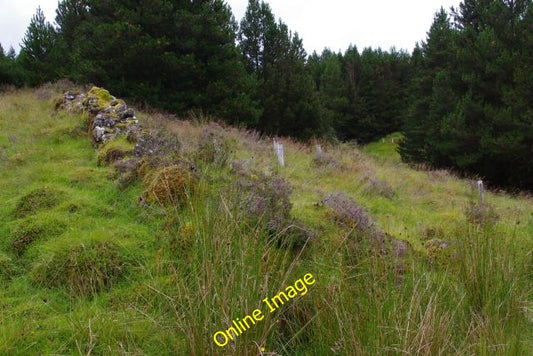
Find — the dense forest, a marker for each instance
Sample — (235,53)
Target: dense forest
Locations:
(462,98)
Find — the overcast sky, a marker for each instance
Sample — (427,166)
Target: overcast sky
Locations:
(320,23)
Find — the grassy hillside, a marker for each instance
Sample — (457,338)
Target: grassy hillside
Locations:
(86,267)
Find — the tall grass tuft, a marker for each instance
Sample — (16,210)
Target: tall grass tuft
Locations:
(231,266)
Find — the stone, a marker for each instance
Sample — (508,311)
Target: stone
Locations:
(98,121)
(92,105)
(109,121)
(133,132)
(109,110)
(70,96)
(108,116)
(126,114)
(98,134)
(121,108)
(108,136)
(437,244)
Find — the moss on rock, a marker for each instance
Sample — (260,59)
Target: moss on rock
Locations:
(99,98)
(114,150)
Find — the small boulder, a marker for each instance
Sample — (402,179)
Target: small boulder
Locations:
(126,114)
(70,96)
(98,134)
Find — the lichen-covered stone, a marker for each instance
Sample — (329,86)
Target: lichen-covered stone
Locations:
(107,117)
(72,102)
(115,130)
(98,134)
(126,114)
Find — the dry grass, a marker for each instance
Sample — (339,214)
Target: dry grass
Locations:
(168,186)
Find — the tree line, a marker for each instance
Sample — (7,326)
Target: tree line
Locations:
(462,98)
(471,106)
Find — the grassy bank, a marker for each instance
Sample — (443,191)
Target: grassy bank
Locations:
(88,268)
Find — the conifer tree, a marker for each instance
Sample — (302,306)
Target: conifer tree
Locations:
(286,89)
(473,111)
(177,55)
(429,101)
(37,49)
(333,91)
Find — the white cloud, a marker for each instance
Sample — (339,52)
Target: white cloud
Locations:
(15,16)
(338,23)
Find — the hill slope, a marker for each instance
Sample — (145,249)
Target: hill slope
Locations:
(86,268)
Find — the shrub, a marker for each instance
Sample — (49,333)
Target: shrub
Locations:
(296,235)
(84,269)
(114,150)
(127,170)
(240,167)
(265,199)
(294,322)
(157,148)
(481,214)
(58,102)
(327,160)
(347,212)
(438,251)
(38,199)
(213,147)
(379,187)
(168,185)
(431,232)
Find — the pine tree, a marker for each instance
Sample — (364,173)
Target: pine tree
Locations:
(4,68)
(177,55)
(71,16)
(291,105)
(286,90)
(333,91)
(256,27)
(37,49)
(430,94)
(473,111)
(11,54)
(228,90)
(11,71)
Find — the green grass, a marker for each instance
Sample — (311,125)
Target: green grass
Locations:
(69,233)
(385,148)
(86,269)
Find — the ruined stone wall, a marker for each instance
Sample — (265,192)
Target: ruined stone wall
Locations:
(107,117)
